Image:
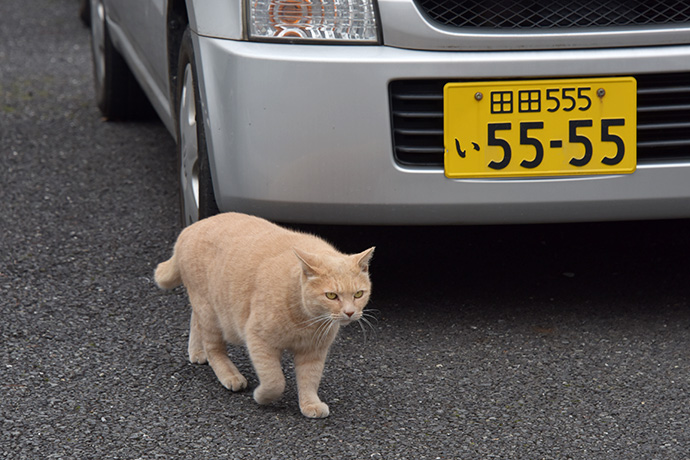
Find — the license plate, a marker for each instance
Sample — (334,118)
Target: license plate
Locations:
(540,127)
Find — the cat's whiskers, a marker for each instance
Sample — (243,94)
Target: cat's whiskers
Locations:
(323,331)
(366,320)
(372,312)
(361,321)
(323,325)
(312,321)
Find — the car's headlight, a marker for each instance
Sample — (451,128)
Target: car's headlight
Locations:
(296,20)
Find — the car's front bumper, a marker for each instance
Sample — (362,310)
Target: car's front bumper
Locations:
(303,133)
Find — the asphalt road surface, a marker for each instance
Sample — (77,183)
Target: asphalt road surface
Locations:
(532,342)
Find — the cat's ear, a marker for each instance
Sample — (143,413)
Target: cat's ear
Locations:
(308,262)
(363,258)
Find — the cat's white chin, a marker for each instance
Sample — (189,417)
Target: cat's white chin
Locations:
(345,320)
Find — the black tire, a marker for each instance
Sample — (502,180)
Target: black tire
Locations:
(192,210)
(118,94)
(85,12)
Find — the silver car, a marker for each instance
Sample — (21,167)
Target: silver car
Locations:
(411,111)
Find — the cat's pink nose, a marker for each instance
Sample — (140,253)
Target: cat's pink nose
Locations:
(349,313)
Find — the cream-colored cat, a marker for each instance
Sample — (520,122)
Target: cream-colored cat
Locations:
(252,282)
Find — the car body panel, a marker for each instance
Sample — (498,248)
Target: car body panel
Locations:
(334,162)
(210,18)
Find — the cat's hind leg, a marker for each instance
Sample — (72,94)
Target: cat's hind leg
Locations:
(225,370)
(197,355)
(208,332)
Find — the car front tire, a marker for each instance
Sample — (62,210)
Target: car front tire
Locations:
(197,199)
(118,94)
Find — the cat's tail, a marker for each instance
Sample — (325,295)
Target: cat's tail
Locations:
(167,274)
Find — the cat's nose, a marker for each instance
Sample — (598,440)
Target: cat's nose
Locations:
(349,313)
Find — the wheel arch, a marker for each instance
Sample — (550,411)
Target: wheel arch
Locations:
(177,22)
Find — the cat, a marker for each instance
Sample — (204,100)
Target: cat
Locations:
(254,283)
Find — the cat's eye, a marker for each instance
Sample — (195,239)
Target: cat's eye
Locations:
(359,294)
(331,295)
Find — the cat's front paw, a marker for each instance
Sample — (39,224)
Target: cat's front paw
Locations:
(266,395)
(315,410)
(198,357)
(235,382)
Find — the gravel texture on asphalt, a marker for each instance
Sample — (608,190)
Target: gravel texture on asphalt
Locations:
(536,342)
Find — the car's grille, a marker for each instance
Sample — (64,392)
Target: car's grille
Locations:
(555,14)
(663,119)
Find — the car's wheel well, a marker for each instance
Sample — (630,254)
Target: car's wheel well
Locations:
(176,25)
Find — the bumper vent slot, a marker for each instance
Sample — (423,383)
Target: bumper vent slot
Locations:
(663,119)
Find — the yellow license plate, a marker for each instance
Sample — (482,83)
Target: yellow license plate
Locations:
(540,127)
